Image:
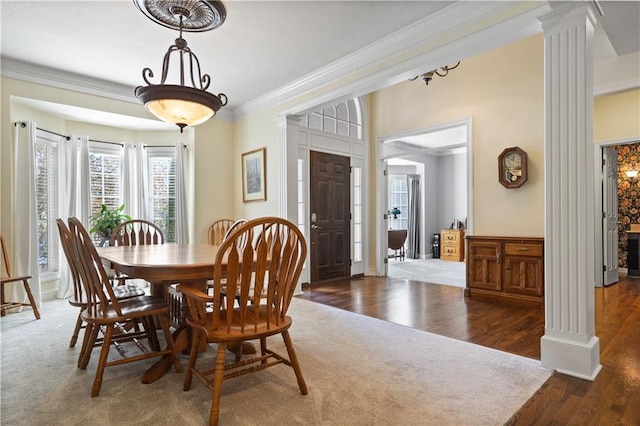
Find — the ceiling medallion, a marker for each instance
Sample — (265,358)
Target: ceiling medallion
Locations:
(178,103)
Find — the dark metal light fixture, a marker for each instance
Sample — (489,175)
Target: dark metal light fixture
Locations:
(177,103)
(441,72)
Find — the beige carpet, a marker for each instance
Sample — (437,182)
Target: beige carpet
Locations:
(359,370)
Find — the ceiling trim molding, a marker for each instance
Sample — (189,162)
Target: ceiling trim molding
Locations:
(447,21)
(516,28)
(619,86)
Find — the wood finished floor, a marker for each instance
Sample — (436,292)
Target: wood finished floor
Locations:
(612,399)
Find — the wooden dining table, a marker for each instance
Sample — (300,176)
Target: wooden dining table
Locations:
(162,265)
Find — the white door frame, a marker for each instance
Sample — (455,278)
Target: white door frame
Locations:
(382,202)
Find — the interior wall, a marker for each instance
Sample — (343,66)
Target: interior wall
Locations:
(452,191)
(503,91)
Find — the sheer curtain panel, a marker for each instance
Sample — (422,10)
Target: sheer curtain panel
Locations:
(182,229)
(24,243)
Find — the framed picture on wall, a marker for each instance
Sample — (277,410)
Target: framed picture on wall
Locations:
(254,176)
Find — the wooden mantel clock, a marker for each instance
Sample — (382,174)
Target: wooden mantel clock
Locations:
(512,167)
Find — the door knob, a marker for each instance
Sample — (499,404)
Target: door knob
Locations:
(315,227)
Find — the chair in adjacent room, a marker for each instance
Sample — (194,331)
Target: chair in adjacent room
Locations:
(217,230)
(104,311)
(8,277)
(77,298)
(273,263)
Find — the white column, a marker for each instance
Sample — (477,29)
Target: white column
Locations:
(569,344)
(287,148)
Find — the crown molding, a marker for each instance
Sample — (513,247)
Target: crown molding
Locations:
(618,86)
(444,24)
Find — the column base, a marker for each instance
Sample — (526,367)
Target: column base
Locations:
(571,358)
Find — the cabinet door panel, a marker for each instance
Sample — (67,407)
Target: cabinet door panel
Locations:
(523,275)
(483,268)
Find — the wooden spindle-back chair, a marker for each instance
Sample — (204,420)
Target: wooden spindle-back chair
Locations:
(217,231)
(8,277)
(105,311)
(273,265)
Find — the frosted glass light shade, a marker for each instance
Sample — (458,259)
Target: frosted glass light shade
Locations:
(632,173)
(180,105)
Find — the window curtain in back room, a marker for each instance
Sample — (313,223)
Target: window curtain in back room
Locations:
(23,243)
(413,231)
(73,193)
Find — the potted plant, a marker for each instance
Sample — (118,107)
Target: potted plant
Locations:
(104,221)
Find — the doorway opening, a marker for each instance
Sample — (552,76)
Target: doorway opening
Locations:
(441,157)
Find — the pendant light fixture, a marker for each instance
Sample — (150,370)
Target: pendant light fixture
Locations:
(181,104)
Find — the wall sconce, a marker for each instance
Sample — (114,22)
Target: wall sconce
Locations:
(632,175)
(395,212)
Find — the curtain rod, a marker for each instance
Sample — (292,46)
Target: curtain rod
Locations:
(23,124)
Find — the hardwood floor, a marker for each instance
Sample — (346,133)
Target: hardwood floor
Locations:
(613,398)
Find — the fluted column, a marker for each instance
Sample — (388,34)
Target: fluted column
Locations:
(569,344)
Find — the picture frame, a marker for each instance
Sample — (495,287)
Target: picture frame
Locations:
(254,175)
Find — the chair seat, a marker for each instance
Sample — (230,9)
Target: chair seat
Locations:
(14,278)
(258,329)
(121,292)
(141,306)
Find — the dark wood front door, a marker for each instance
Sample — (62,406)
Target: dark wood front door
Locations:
(330,219)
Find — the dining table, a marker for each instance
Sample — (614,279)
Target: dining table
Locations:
(163,265)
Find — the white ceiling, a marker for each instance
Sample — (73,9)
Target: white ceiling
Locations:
(262,46)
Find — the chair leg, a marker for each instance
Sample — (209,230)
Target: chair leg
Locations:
(90,336)
(149,326)
(196,340)
(102,363)
(2,311)
(32,301)
(294,362)
(218,377)
(76,331)
(164,324)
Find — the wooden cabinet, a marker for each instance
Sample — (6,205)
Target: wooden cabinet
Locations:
(505,267)
(452,245)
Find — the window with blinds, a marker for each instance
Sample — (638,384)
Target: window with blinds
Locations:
(46,171)
(162,181)
(398,197)
(104,174)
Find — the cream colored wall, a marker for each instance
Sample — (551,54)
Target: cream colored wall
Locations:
(617,117)
(215,169)
(503,91)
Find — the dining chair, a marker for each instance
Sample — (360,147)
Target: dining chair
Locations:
(77,298)
(134,232)
(273,263)
(217,231)
(8,277)
(104,311)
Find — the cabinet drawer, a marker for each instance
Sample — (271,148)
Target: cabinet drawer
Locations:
(450,237)
(450,250)
(523,249)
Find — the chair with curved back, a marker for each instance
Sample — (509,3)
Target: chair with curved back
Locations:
(105,312)
(77,298)
(8,277)
(134,232)
(217,230)
(273,264)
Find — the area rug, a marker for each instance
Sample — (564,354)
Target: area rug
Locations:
(359,371)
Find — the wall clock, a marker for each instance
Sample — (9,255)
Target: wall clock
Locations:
(512,167)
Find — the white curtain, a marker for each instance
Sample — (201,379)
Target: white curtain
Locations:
(134,188)
(73,194)
(25,237)
(182,232)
